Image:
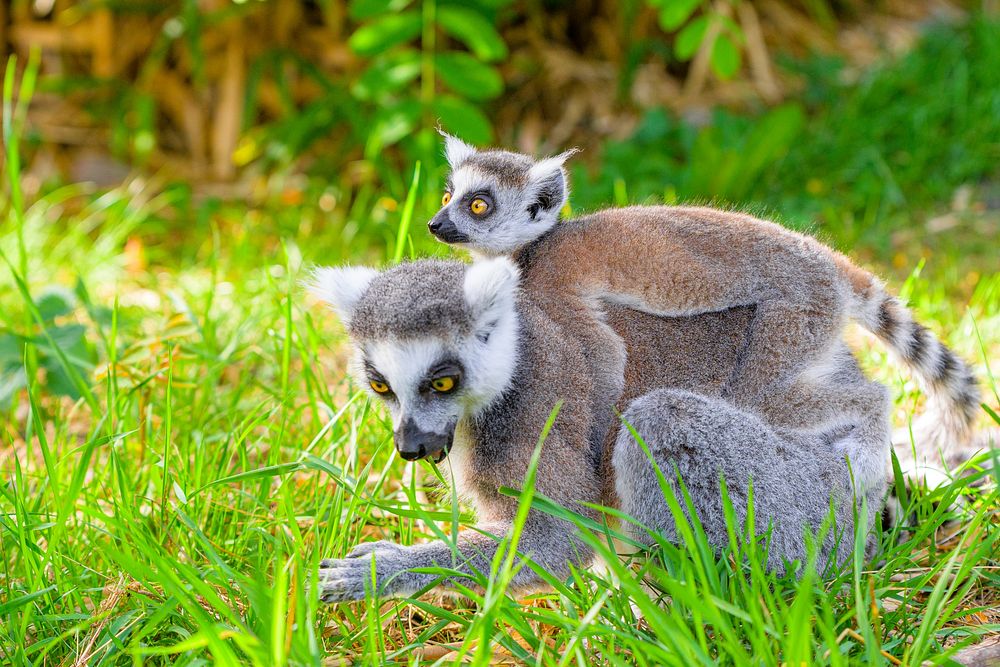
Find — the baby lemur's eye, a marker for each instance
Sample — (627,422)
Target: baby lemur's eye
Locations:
(479,206)
(443,385)
(379,386)
(445,198)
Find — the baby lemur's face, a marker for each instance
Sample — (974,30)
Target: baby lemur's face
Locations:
(435,341)
(498,201)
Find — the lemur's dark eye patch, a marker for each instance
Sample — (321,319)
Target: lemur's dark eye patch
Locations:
(444,376)
(479,203)
(376,380)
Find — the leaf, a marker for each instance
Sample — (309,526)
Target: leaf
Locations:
(11,351)
(384,33)
(72,340)
(474,30)
(725,57)
(359,10)
(689,39)
(675,12)
(55,302)
(463,119)
(276,470)
(395,122)
(468,77)
(12,380)
(11,605)
(387,75)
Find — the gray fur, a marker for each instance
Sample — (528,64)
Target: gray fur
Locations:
(704,439)
(681,261)
(385,309)
(550,361)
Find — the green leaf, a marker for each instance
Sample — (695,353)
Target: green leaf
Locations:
(468,77)
(17,602)
(276,470)
(395,122)
(11,351)
(463,119)
(725,57)
(689,39)
(387,75)
(359,10)
(12,380)
(474,30)
(384,33)
(54,303)
(675,12)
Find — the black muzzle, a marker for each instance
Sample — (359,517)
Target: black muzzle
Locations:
(414,444)
(445,230)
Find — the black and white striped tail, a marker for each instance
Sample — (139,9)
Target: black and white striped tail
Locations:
(951,388)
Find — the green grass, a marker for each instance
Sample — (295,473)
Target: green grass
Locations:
(179,447)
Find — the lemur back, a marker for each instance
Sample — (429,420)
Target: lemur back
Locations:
(680,261)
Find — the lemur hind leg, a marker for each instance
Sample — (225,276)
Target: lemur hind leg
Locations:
(795,475)
(835,398)
(787,337)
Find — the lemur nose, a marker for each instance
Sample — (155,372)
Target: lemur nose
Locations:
(413,456)
(413,444)
(434,225)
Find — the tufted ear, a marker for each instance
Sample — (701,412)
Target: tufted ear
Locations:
(456,151)
(490,287)
(549,181)
(341,287)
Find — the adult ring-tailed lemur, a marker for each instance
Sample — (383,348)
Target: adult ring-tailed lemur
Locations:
(470,367)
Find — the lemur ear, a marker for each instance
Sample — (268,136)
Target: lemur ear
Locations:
(456,151)
(548,176)
(341,287)
(490,286)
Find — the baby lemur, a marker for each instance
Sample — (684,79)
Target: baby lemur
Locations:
(681,261)
(471,366)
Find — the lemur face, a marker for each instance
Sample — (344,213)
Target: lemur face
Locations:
(425,386)
(434,341)
(498,201)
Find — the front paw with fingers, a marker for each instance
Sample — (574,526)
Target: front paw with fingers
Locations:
(348,579)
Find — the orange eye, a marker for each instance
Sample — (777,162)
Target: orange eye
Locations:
(379,387)
(478,207)
(445,199)
(443,384)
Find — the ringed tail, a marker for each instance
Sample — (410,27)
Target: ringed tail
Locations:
(946,380)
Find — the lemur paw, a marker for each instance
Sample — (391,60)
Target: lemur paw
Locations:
(366,548)
(348,579)
(344,580)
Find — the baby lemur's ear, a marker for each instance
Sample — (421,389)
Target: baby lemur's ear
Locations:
(490,287)
(548,179)
(341,287)
(456,151)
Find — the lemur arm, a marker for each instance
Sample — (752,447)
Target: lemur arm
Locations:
(545,540)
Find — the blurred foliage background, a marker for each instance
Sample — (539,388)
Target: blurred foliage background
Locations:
(689,99)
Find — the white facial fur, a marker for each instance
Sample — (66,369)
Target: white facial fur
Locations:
(512,223)
(456,151)
(487,355)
